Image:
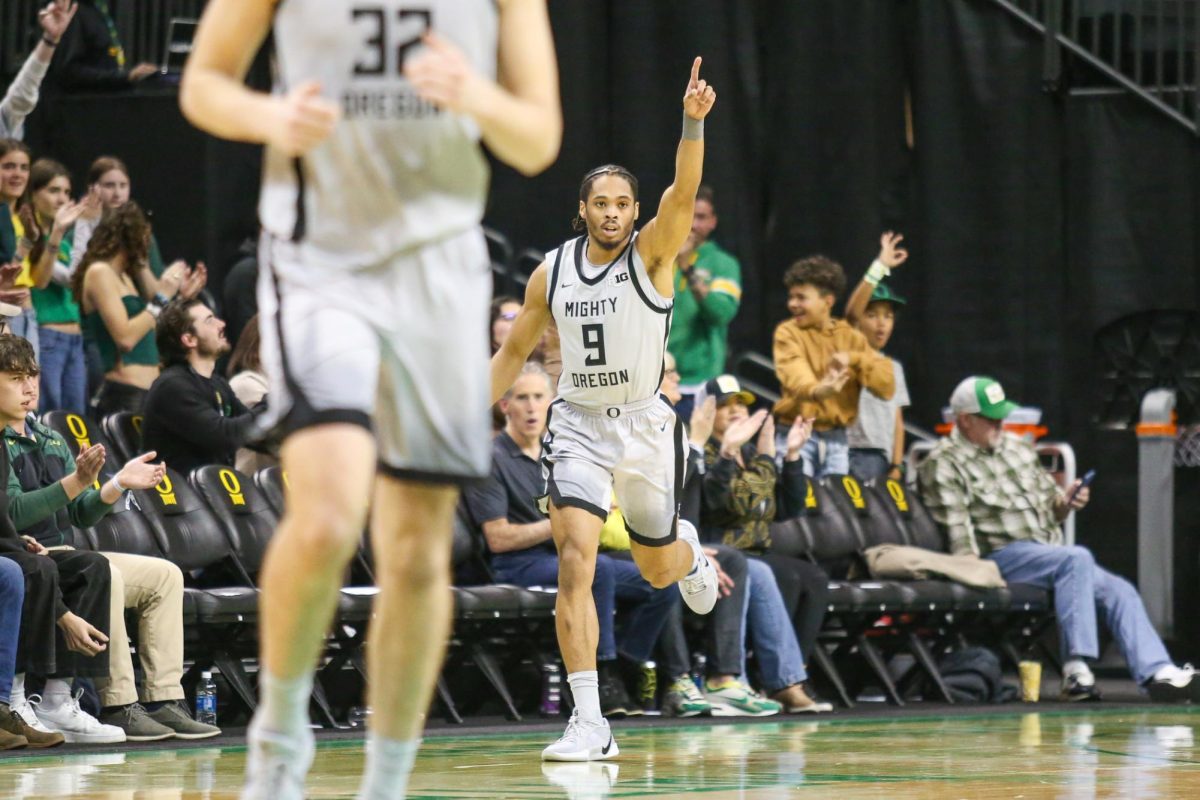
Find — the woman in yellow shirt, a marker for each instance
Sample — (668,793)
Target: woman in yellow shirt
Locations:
(14,178)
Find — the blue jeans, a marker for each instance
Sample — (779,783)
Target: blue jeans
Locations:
(64,372)
(765,620)
(869,464)
(12,595)
(26,327)
(616,579)
(836,460)
(1080,587)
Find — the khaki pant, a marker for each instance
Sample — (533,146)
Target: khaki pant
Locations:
(153,588)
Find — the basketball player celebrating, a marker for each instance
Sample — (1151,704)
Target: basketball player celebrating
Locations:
(610,293)
(374,277)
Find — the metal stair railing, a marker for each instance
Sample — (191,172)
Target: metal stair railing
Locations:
(1150,48)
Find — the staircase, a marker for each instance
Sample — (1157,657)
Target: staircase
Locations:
(1150,48)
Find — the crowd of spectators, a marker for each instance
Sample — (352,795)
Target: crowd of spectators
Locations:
(96,322)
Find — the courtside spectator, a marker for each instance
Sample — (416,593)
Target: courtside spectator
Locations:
(15,161)
(990,493)
(505,507)
(48,210)
(22,95)
(822,364)
(192,416)
(48,493)
(117,317)
(504,311)
(708,290)
(249,384)
(744,490)
(91,56)
(876,437)
(14,731)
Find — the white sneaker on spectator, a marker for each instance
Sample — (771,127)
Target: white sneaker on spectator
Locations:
(24,710)
(698,587)
(583,740)
(75,724)
(276,764)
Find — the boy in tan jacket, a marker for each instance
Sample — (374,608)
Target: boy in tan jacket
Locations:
(822,364)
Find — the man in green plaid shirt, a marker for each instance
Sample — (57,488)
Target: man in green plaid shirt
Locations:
(992,497)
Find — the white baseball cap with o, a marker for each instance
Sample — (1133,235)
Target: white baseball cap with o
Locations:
(983,396)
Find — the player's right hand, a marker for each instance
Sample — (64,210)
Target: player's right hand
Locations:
(303,119)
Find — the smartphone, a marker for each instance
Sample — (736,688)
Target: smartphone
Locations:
(1086,480)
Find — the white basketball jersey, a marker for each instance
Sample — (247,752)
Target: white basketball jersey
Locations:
(612,326)
(397,172)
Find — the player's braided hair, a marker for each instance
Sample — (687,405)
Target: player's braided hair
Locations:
(585,188)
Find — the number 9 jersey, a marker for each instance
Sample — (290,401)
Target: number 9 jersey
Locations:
(612,323)
(397,173)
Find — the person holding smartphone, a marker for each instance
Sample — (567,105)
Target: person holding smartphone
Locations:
(994,499)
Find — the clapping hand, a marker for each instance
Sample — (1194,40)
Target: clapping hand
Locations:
(139,473)
(195,281)
(798,436)
(700,426)
(766,437)
(740,432)
(88,464)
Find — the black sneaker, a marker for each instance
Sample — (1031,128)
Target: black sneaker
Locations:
(614,698)
(1186,688)
(1076,691)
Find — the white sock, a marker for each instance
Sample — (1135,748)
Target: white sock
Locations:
(389,763)
(56,693)
(17,696)
(1174,675)
(686,532)
(1079,669)
(284,702)
(585,688)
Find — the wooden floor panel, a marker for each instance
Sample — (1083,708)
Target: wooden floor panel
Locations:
(1092,753)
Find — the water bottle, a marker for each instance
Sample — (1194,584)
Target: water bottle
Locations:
(699,670)
(647,688)
(206,699)
(551,705)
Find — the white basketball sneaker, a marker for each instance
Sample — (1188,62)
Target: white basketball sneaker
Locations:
(276,764)
(698,587)
(75,724)
(584,740)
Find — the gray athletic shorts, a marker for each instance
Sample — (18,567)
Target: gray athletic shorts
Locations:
(637,451)
(400,348)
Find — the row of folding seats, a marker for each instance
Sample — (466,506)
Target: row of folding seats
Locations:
(216,524)
(842,518)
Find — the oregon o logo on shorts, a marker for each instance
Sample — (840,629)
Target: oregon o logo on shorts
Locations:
(898,497)
(854,491)
(166,490)
(233,487)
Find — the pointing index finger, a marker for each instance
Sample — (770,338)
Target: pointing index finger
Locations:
(695,72)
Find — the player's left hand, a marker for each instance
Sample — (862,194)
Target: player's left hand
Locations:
(699,97)
(443,76)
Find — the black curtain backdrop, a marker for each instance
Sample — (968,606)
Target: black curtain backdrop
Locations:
(1033,218)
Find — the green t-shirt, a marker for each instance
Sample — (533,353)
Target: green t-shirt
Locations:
(54,304)
(700,331)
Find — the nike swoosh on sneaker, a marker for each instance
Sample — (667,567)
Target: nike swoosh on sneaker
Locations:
(604,750)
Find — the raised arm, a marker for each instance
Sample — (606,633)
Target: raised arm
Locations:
(891,255)
(213,95)
(662,236)
(102,291)
(526,332)
(520,115)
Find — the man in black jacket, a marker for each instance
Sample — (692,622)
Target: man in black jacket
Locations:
(192,417)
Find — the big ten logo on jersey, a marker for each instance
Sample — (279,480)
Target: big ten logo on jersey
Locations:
(896,491)
(166,491)
(619,277)
(233,487)
(854,492)
(388,37)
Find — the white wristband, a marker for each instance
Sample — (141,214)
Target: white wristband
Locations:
(116,482)
(876,272)
(154,309)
